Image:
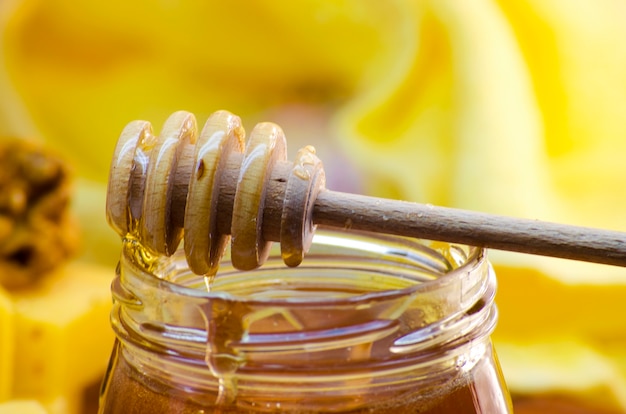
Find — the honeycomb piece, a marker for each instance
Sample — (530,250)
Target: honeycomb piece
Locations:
(62,336)
(37,231)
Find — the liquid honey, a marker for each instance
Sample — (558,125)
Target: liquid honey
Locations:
(481,392)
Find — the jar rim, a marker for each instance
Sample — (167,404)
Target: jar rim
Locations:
(476,257)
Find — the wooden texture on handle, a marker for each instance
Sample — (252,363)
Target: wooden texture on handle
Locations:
(479,229)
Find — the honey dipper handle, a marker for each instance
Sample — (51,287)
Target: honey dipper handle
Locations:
(205,187)
(403,218)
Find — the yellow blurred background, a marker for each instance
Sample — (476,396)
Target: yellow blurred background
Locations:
(514,107)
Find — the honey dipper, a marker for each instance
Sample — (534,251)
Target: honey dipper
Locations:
(206,187)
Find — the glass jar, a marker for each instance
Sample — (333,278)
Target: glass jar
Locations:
(366,324)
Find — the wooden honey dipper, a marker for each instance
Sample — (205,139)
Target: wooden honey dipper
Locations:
(207,187)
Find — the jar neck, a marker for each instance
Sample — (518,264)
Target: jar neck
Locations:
(347,309)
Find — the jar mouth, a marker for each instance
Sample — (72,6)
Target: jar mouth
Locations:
(341,267)
(358,300)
